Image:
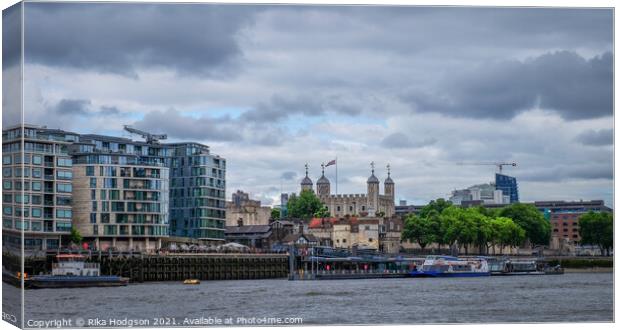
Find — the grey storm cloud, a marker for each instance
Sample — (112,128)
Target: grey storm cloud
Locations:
(11,35)
(80,107)
(559,173)
(73,107)
(575,87)
(603,137)
(288,175)
(281,107)
(121,38)
(175,124)
(401,140)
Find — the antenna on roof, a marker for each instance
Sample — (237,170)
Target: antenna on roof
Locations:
(150,138)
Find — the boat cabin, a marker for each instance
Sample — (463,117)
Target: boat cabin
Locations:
(74,265)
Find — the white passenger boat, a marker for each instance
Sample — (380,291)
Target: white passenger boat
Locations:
(448,266)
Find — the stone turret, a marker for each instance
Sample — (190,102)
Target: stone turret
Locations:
(322,185)
(306,183)
(373,191)
(389,184)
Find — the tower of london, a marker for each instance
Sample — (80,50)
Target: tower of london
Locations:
(371,203)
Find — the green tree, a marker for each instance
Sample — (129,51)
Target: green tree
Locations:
(506,233)
(537,229)
(418,230)
(275,213)
(597,229)
(483,232)
(323,212)
(438,206)
(304,206)
(75,236)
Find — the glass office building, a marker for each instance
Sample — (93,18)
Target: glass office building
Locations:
(508,186)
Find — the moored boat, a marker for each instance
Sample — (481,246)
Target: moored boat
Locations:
(448,266)
(508,267)
(72,271)
(191,281)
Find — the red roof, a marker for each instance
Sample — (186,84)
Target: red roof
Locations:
(319,222)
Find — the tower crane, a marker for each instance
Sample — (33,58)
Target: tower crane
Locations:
(499,165)
(150,138)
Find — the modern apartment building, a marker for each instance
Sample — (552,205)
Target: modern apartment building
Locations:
(37,186)
(197,192)
(120,197)
(117,192)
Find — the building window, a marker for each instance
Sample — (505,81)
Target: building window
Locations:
(93,218)
(52,244)
(36,212)
(93,182)
(36,160)
(96,230)
(90,171)
(6,160)
(114,195)
(63,226)
(62,200)
(64,162)
(6,172)
(63,187)
(64,175)
(63,213)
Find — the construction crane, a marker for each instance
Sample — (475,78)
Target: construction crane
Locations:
(150,138)
(500,165)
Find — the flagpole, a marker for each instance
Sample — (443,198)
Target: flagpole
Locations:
(336,175)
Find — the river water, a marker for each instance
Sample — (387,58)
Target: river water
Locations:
(574,297)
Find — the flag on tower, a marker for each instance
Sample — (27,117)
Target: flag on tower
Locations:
(331,162)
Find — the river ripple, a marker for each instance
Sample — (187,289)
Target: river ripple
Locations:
(576,297)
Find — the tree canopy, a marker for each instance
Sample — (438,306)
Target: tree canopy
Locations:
(537,228)
(275,213)
(75,236)
(464,226)
(304,206)
(597,229)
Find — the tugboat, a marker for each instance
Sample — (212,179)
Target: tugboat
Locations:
(448,266)
(72,271)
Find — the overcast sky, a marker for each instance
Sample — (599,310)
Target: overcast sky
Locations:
(271,88)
